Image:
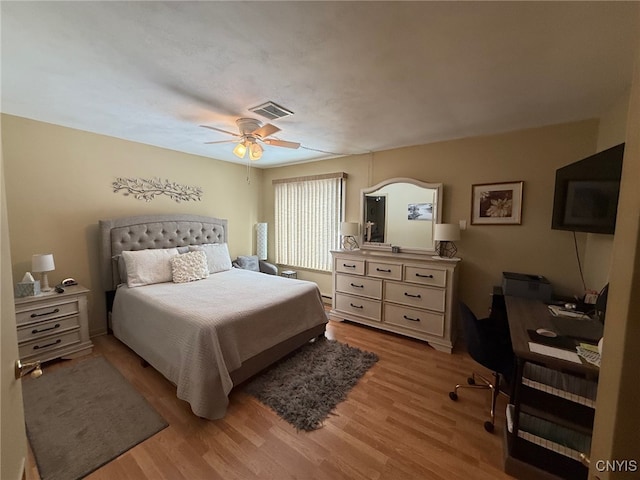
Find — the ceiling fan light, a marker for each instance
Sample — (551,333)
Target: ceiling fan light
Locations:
(255,151)
(240,150)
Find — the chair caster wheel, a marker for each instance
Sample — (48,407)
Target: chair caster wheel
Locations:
(471,381)
(453,396)
(488,426)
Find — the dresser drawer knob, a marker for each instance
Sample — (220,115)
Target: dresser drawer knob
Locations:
(348,266)
(36,315)
(385,270)
(35,330)
(357,286)
(38,347)
(356,306)
(423,276)
(412,296)
(411,319)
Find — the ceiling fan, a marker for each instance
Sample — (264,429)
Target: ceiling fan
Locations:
(251,133)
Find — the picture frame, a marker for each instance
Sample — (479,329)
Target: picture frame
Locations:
(420,211)
(497,203)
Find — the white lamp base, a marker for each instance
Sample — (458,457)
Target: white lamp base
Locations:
(44,283)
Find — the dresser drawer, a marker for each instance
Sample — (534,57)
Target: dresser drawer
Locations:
(26,314)
(392,271)
(49,327)
(414,319)
(425,275)
(414,295)
(367,287)
(347,265)
(49,343)
(362,307)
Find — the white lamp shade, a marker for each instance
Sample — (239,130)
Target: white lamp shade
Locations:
(42,262)
(351,229)
(446,232)
(261,240)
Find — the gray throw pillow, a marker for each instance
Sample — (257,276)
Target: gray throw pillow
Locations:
(248,262)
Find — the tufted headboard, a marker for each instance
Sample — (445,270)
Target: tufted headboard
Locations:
(153,231)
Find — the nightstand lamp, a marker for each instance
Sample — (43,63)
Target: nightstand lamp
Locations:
(349,232)
(43,263)
(445,234)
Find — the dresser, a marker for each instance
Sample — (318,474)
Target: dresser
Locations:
(53,325)
(409,294)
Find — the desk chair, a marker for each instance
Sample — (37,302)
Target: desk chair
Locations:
(489,344)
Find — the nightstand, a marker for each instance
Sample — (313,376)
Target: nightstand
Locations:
(53,325)
(290,273)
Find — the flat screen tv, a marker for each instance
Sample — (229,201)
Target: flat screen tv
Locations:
(586,193)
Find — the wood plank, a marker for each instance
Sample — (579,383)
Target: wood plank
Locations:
(397,422)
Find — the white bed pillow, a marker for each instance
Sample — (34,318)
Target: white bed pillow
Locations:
(217,254)
(145,267)
(189,267)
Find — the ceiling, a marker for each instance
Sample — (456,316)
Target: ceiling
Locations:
(359,76)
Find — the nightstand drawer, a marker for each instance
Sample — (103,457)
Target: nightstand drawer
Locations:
(425,276)
(50,311)
(362,307)
(392,271)
(414,319)
(416,296)
(50,327)
(367,287)
(347,265)
(49,343)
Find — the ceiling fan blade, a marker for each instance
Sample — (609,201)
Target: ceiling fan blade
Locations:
(220,130)
(265,130)
(221,141)
(281,143)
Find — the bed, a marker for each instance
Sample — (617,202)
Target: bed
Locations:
(209,335)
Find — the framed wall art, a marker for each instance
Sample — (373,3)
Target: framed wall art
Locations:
(496,203)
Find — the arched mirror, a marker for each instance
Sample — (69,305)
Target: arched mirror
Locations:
(401,212)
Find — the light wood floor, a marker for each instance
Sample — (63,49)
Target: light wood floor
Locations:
(397,423)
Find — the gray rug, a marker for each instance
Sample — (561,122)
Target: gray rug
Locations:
(83,416)
(304,388)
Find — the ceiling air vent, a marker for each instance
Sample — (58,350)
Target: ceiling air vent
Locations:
(271,110)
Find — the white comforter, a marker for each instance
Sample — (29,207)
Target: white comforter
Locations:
(196,333)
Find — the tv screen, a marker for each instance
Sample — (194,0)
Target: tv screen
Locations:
(586,193)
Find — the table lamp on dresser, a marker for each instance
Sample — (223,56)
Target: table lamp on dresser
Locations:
(43,263)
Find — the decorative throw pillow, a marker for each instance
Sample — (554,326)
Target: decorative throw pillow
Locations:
(218,258)
(248,262)
(189,267)
(145,267)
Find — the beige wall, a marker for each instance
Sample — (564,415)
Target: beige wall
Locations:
(616,434)
(529,155)
(611,131)
(59,186)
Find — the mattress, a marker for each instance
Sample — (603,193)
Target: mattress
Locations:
(196,333)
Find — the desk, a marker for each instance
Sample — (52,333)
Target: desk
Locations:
(552,403)
(528,314)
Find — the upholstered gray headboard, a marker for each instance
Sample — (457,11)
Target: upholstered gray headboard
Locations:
(153,231)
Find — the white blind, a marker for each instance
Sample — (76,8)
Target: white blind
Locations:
(307,221)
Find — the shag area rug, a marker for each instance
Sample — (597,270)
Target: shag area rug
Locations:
(81,417)
(304,388)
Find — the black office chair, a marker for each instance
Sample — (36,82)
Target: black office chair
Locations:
(488,343)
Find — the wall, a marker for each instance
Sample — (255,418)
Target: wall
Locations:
(597,261)
(59,187)
(616,435)
(530,155)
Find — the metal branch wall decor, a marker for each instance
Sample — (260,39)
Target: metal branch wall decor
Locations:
(147,188)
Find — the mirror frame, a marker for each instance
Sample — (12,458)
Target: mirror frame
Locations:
(437,214)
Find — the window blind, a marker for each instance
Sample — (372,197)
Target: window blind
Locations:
(308,211)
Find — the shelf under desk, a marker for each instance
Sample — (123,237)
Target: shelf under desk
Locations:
(553,386)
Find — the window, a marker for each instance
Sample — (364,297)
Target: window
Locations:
(308,211)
